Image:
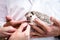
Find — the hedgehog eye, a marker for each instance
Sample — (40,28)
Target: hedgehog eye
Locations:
(30,16)
(32,13)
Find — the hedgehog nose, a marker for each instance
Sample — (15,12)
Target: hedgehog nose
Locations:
(28,18)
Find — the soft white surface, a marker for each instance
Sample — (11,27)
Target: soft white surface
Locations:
(48,38)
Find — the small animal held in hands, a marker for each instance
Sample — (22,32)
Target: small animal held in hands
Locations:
(34,14)
(31,15)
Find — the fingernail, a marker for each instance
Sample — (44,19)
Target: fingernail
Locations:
(51,18)
(35,19)
(25,24)
(31,24)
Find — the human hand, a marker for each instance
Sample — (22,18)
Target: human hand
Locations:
(19,34)
(11,22)
(6,31)
(45,30)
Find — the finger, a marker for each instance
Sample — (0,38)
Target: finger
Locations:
(55,21)
(39,30)
(7,34)
(17,22)
(27,31)
(35,37)
(8,18)
(35,34)
(22,26)
(42,24)
(9,29)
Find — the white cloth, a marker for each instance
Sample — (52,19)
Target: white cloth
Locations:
(3,10)
(18,8)
(10,7)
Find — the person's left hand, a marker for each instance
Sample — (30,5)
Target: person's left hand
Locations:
(19,34)
(45,30)
(6,31)
(11,22)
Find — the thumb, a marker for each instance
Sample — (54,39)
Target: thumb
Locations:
(55,21)
(8,18)
(22,26)
(27,31)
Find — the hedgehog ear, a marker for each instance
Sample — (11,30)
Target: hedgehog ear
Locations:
(26,14)
(32,13)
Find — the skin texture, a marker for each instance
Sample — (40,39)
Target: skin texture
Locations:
(42,30)
(6,31)
(46,30)
(10,26)
(21,35)
(11,22)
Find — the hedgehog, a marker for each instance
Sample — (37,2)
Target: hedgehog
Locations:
(31,15)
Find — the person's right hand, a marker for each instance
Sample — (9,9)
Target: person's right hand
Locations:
(6,31)
(19,34)
(45,30)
